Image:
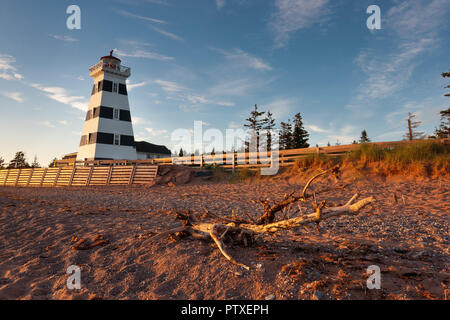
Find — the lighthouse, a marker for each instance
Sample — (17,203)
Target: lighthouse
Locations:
(108,132)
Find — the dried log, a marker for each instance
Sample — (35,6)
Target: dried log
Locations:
(243,232)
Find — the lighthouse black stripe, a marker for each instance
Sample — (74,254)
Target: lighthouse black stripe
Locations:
(106,138)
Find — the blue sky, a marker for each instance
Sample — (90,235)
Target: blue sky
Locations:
(212,60)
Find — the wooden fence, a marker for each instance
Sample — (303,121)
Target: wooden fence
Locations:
(232,161)
(135,172)
(78,176)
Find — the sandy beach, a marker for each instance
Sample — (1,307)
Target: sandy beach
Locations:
(406,235)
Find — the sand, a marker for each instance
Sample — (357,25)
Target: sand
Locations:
(408,239)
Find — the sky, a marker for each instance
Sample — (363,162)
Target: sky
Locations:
(213,60)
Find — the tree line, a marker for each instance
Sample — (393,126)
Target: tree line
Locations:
(20,162)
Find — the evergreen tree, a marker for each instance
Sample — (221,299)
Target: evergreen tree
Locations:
(52,164)
(286,135)
(181,153)
(255,124)
(328,144)
(269,126)
(19,161)
(412,125)
(300,136)
(2,162)
(444,127)
(364,137)
(35,163)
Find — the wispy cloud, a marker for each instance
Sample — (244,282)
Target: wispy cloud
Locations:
(145,54)
(62,95)
(63,122)
(168,34)
(139,120)
(155,132)
(132,15)
(388,73)
(244,59)
(131,86)
(47,124)
(293,15)
(169,86)
(17,96)
(220,4)
(412,27)
(7,70)
(63,38)
(315,128)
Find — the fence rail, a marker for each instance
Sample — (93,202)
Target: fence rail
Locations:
(138,172)
(78,176)
(237,160)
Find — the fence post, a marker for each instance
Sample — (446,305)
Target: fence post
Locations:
(109,175)
(29,177)
(17,177)
(43,177)
(88,181)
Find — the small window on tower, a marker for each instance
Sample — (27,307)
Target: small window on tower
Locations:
(116,114)
(116,139)
(115,87)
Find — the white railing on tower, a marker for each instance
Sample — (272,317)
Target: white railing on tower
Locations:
(110,66)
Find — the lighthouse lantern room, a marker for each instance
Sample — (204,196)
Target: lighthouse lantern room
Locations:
(108,130)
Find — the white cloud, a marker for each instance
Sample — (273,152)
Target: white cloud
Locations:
(7,70)
(169,86)
(47,124)
(61,95)
(294,15)
(63,38)
(139,120)
(63,122)
(316,128)
(168,34)
(135,85)
(280,108)
(17,96)
(244,59)
(220,4)
(129,14)
(81,78)
(145,54)
(237,87)
(155,132)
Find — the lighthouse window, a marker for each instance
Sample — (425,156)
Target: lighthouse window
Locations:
(122,89)
(116,114)
(115,87)
(107,85)
(125,115)
(117,139)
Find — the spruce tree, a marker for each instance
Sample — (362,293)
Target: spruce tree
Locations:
(364,137)
(444,127)
(255,124)
(286,135)
(35,163)
(411,134)
(300,136)
(19,161)
(269,126)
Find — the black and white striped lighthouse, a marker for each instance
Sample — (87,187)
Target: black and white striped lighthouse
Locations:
(108,131)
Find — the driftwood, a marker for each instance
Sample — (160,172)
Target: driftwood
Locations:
(243,232)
